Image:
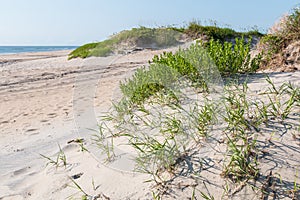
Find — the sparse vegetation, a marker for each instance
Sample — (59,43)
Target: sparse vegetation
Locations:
(177,130)
(61,159)
(166,139)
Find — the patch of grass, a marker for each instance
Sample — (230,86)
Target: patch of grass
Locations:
(143,36)
(83,51)
(181,63)
(242,162)
(104,140)
(165,141)
(243,116)
(240,119)
(196,30)
(85,195)
(146,82)
(204,116)
(280,108)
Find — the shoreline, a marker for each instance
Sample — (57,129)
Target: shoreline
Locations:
(13,50)
(27,56)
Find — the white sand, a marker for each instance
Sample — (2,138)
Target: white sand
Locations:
(47,100)
(37,114)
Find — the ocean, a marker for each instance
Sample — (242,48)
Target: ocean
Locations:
(26,49)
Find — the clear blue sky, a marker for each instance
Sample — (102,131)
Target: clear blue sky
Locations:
(75,22)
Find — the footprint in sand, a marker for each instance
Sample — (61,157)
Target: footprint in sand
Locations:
(32,131)
(21,171)
(52,115)
(4,122)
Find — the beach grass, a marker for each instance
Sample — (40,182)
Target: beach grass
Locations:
(165,133)
(164,141)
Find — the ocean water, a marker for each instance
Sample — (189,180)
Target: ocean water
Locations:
(26,49)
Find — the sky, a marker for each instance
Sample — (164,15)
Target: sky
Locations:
(76,22)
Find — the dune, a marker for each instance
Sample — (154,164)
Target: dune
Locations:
(50,107)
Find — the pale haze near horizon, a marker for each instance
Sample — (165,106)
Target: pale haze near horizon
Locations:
(76,22)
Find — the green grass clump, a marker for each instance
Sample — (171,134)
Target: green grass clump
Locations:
(61,159)
(242,164)
(146,82)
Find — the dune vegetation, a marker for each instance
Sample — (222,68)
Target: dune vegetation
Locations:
(165,125)
(156,38)
(178,108)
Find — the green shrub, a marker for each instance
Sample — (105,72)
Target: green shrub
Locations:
(194,64)
(231,59)
(146,82)
(178,63)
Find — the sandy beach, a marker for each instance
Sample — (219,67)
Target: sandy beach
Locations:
(37,114)
(47,101)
